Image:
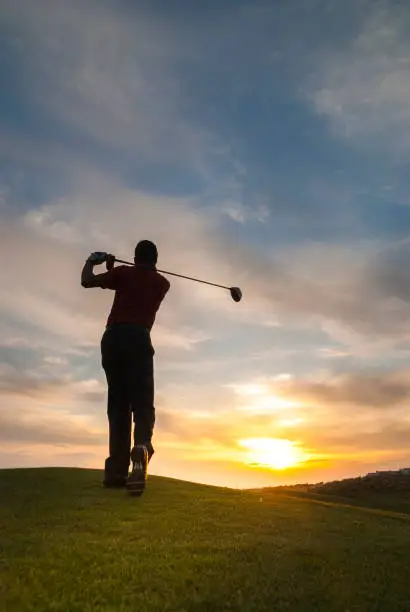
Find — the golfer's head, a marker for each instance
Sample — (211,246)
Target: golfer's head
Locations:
(146,253)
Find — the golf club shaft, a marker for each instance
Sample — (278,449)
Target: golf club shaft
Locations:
(197,280)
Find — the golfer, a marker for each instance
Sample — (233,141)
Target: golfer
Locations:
(127,359)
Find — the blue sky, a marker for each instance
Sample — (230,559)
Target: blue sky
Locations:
(259,144)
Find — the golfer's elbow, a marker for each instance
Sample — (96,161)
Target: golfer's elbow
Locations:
(87,275)
(86,282)
(86,279)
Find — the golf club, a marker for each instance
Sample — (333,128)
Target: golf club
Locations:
(236,293)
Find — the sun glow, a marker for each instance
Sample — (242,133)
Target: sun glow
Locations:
(273,453)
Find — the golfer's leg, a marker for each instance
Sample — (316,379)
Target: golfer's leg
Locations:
(118,408)
(142,401)
(141,393)
(119,418)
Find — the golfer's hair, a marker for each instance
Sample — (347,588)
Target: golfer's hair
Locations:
(146,253)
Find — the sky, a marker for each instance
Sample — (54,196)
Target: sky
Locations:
(260,144)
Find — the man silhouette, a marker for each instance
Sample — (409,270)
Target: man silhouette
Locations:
(127,359)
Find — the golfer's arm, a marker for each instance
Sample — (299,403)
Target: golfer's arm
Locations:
(87,275)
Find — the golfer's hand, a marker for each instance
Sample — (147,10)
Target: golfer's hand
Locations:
(98,257)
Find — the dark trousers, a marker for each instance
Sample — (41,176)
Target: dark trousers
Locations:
(127,358)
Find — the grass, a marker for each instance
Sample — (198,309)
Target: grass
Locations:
(68,545)
(395,501)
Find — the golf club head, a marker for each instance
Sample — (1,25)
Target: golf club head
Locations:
(236,294)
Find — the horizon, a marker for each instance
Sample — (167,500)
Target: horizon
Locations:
(187,481)
(279,166)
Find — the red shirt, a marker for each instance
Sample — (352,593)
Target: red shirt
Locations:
(138,294)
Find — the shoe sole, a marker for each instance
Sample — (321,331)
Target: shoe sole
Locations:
(137,479)
(109,485)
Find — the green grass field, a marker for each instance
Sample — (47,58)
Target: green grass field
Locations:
(67,544)
(396,501)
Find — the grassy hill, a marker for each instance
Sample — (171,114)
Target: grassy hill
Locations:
(68,545)
(383,490)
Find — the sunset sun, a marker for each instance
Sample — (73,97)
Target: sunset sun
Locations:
(273,453)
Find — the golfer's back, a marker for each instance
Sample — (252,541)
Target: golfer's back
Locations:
(139,291)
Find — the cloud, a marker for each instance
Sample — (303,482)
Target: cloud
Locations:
(59,235)
(363,88)
(243,214)
(352,292)
(326,412)
(23,428)
(387,440)
(28,383)
(381,390)
(48,385)
(355,292)
(55,360)
(46,289)
(112,76)
(43,408)
(349,424)
(102,68)
(390,273)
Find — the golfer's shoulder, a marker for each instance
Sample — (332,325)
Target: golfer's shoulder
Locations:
(162,281)
(121,271)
